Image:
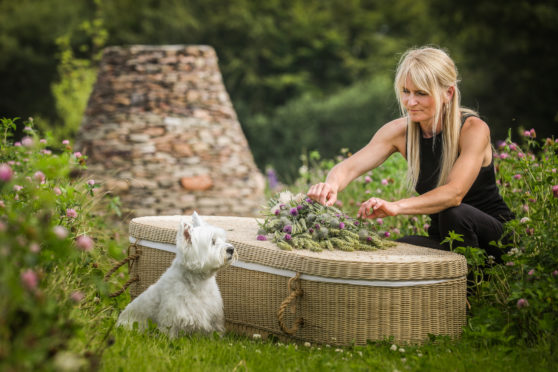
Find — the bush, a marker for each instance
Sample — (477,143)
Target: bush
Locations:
(320,124)
(48,251)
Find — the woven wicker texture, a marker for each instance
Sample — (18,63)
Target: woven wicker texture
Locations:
(331,313)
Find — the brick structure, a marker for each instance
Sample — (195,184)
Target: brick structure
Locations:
(160,132)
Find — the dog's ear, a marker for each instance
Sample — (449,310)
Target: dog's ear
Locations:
(185,230)
(196,220)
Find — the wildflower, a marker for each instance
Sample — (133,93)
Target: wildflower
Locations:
(307,344)
(18,188)
(34,247)
(341,225)
(39,176)
(426,227)
(513,146)
(339,203)
(526,133)
(532,133)
(401,350)
(288,229)
(530,231)
(6,172)
(65,142)
(367,179)
(42,140)
(510,263)
(71,213)
(514,251)
(396,230)
(256,336)
(525,209)
(414,219)
(57,190)
(384,182)
(28,129)
(60,232)
(27,141)
(46,152)
(517,176)
(261,237)
(393,347)
(524,220)
(78,154)
(520,155)
(17,144)
(29,279)
(521,303)
(356,223)
(288,237)
(85,243)
(555,273)
(531,272)
(294,212)
(555,191)
(491,260)
(387,234)
(553,170)
(501,144)
(77,296)
(91,182)
(2,205)
(379,221)
(308,200)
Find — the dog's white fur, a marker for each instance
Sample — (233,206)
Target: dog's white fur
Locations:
(186,297)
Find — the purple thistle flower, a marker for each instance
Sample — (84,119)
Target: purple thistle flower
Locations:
(555,191)
(294,212)
(272,179)
(310,230)
(308,200)
(517,176)
(317,226)
(277,212)
(299,207)
(288,229)
(288,237)
(261,237)
(356,223)
(369,239)
(341,225)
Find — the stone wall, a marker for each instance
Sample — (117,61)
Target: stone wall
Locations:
(160,132)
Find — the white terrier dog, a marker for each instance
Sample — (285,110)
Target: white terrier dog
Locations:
(186,297)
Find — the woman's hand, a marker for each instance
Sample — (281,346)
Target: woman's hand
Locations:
(376,208)
(323,193)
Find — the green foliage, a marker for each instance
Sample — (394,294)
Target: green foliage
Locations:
(47,265)
(521,295)
(346,119)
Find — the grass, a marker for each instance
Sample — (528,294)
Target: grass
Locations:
(152,351)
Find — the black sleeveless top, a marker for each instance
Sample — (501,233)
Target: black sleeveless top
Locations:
(483,194)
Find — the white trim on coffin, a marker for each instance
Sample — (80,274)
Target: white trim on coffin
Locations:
(289,274)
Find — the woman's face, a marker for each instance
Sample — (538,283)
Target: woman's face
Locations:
(419,104)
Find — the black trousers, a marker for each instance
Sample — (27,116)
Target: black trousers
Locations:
(478,230)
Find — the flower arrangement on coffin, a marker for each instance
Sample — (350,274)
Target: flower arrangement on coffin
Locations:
(296,221)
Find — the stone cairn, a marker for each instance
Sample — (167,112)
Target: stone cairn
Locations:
(160,132)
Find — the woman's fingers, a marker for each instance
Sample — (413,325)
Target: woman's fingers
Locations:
(323,193)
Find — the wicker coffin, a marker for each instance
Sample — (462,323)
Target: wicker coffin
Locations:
(332,297)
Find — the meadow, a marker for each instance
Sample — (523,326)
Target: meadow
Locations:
(60,235)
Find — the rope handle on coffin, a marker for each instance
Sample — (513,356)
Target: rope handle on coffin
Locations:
(130,258)
(296,291)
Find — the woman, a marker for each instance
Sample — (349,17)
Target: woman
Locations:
(449,156)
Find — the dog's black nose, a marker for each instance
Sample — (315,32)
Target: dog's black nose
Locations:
(230,250)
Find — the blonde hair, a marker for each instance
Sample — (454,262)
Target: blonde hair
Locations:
(434,72)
